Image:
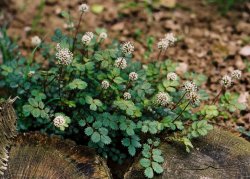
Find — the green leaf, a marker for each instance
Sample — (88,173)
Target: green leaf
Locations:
(148,172)
(93,107)
(78,84)
(96,137)
(131,150)
(119,80)
(82,123)
(157,167)
(33,102)
(97,8)
(36,112)
(106,139)
(145,162)
(89,131)
(158,158)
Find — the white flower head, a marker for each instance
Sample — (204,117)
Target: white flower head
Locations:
(83,8)
(236,74)
(103,35)
(226,81)
(35,41)
(121,63)
(31,73)
(194,97)
(86,39)
(127,96)
(59,121)
(90,34)
(105,84)
(128,48)
(133,76)
(162,99)
(189,86)
(58,46)
(163,44)
(64,56)
(170,38)
(172,76)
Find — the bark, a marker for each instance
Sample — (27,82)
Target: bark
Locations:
(7,131)
(34,155)
(219,155)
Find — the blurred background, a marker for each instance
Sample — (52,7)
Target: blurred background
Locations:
(214,34)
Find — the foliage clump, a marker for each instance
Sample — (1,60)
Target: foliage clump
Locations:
(116,105)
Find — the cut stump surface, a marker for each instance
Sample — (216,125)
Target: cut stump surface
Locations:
(220,155)
(34,155)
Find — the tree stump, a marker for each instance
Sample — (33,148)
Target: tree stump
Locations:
(220,155)
(34,155)
(7,131)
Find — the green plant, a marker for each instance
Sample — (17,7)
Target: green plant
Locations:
(226,5)
(114,104)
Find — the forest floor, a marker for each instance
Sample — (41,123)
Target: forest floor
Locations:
(211,43)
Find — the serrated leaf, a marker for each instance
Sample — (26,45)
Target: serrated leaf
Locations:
(145,162)
(157,167)
(96,137)
(148,172)
(158,158)
(131,150)
(89,131)
(106,139)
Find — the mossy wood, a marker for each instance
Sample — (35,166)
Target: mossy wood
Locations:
(7,131)
(219,155)
(34,155)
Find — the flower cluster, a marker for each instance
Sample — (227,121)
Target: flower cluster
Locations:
(162,98)
(189,86)
(64,55)
(121,63)
(59,121)
(127,96)
(105,84)
(35,41)
(193,97)
(227,80)
(87,37)
(128,48)
(172,76)
(103,36)
(167,41)
(236,74)
(133,76)
(83,8)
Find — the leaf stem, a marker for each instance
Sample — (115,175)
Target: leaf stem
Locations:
(182,111)
(175,106)
(77,29)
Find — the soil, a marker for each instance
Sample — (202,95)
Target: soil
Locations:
(210,43)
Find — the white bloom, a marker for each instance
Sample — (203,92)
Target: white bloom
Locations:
(193,97)
(35,41)
(105,84)
(128,48)
(103,35)
(86,39)
(236,74)
(64,56)
(121,63)
(127,96)
(162,99)
(189,86)
(226,81)
(69,25)
(31,73)
(59,121)
(90,34)
(170,38)
(83,8)
(58,46)
(133,76)
(172,76)
(163,44)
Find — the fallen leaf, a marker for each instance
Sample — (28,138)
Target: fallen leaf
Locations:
(245,51)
